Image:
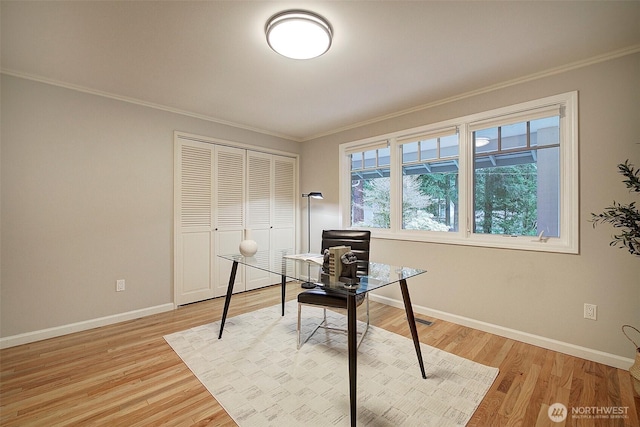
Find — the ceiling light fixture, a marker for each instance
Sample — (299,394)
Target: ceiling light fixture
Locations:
(298,34)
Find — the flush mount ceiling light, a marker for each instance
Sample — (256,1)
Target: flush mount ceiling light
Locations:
(298,34)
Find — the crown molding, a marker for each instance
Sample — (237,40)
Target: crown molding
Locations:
(531,77)
(83,89)
(520,80)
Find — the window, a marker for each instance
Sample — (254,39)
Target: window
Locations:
(517,178)
(430,182)
(503,178)
(370,185)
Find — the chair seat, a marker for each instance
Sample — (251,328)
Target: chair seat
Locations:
(324,297)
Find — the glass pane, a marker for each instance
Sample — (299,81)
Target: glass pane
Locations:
(409,152)
(430,197)
(370,198)
(356,161)
(545,131)
(449,146)
(429,149)
(518,194)
(370,159)
(384,158)
(514,136)
(486,140)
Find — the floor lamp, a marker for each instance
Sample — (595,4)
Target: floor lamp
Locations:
(309,196)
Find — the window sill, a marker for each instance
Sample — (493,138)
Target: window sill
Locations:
(524,243)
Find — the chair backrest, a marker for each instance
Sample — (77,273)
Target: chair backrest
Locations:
(358,240)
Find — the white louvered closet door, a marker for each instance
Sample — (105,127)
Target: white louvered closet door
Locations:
(283,231)
(258,208)
(194,220)
(229,215)
(222,192)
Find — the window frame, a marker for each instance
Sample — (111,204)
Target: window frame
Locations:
(568,242)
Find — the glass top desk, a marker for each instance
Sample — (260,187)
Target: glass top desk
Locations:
(290,267)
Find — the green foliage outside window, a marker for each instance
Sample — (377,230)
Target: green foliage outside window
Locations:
(506,200)
(418,206)
(374,197)
(416,213)
(443,190)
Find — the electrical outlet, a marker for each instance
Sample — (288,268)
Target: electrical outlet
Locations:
(120,285)
(590,311)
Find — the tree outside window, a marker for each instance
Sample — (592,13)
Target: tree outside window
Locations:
(516,178)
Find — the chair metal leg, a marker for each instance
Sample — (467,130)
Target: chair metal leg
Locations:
(326,326)
(321,325)
(298,328)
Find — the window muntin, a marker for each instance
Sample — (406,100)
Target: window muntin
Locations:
(550,139)
(430,184)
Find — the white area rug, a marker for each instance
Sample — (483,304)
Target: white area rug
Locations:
(258,376)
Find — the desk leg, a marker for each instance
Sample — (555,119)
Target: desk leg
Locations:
(232,280)
(352,343)
(284,290)
(412,323)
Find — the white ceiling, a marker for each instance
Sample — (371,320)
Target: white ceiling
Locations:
(210,58)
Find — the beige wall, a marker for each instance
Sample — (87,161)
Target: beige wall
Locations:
(533,293)
(87,198)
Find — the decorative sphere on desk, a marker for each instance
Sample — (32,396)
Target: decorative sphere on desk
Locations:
(248,247)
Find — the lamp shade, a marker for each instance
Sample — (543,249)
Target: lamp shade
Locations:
(314,195)
(298,34)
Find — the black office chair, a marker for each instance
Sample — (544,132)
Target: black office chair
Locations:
(359,241)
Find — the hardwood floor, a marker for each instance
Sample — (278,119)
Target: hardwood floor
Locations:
(127,375)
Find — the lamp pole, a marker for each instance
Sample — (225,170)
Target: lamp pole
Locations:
(309,196)
(309,224)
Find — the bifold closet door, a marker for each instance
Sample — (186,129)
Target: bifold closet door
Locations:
(271,207)
(223,194)
(194,240)
(258,208)
(229,215)
(283,223)
(209,210)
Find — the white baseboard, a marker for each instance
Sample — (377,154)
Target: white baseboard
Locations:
(58,331)
(537,340)
(548,343)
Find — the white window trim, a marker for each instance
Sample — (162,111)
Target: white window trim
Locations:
(568,242)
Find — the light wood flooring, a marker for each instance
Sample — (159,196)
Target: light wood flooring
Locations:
(127,375)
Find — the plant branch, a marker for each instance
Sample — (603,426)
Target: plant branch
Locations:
(622,216)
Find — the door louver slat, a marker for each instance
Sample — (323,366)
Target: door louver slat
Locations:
(195,187)
(284,193)
(230,212)
(258,190)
